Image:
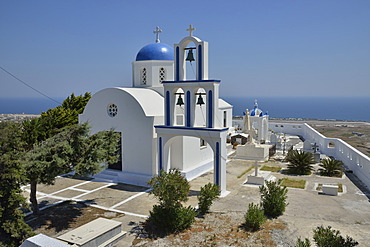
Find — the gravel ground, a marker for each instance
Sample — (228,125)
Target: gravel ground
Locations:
(220,229)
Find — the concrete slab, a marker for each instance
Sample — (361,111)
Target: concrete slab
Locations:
(139,205)
(60,183)
(91,185)
(46,201)
(113,194)
(94,233)
(69,193)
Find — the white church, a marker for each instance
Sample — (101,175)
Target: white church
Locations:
(167,119)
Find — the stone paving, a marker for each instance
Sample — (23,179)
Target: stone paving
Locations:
(348,212)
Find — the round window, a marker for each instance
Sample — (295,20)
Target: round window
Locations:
(112,110)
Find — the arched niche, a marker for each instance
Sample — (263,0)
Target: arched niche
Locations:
(201,49)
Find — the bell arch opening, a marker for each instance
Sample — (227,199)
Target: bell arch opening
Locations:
(191,61)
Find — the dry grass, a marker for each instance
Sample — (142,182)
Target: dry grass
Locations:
(293,183)
(271,168)
(246,171)
(362,143)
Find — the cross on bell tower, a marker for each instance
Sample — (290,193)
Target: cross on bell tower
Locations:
(191,29)
(157,31)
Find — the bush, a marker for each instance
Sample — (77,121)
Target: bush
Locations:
(328,237)
(254,217)
(273,199)
(208,193)
(300,162)
(170,215)
(170,188)
(301,243)
(165,220)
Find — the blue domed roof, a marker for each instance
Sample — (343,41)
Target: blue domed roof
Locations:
(256,112)
(155,51)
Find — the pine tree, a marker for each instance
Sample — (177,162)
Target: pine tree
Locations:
(13,229)
(73,149)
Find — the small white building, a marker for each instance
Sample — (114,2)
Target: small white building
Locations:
(256,126)
(257,122)
(134,112)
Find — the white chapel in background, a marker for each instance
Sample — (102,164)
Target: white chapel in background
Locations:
(158,129)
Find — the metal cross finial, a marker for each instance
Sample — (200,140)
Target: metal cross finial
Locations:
(157,31)
(191,29)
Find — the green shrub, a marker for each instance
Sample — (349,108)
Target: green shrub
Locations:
(165,220)
(328,237)
(170,215)
(301,243)
(170,188)
(273,199)
(208,193)
(254,217)
(300,162)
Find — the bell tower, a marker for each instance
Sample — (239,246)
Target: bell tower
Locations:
(191,94)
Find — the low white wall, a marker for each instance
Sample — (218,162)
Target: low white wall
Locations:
(352,158)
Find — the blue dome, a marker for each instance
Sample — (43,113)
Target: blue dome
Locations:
(155,51)
(256,112)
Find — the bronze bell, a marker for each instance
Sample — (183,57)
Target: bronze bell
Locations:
(190,56)
(180,101)
(200,100)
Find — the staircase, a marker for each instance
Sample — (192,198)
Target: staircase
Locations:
(108,176)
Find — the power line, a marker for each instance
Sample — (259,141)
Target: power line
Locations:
(34,89)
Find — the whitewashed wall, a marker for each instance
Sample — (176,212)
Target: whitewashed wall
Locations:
(352,158)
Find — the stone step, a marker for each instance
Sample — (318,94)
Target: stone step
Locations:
(107,176)
(110,172)
(113,240)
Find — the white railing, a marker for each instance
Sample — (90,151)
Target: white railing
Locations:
(353,159)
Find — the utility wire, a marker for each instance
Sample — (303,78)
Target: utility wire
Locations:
(34,89)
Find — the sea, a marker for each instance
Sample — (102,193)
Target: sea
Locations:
(333,108)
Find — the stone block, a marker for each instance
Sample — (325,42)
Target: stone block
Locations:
(256,180)
(329,189)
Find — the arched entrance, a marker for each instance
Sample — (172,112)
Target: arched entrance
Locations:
(216,139)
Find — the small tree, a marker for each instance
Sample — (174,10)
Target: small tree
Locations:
(328,237)
(208,193)
(331,167)
(70,150)
(273,199)
(300,162)
(254,217)
(169,216)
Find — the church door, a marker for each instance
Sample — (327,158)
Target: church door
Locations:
(118,164)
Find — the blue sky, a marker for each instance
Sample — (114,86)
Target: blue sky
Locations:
(257,48)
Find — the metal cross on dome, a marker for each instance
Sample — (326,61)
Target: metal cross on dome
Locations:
(157,31)
(191,29)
